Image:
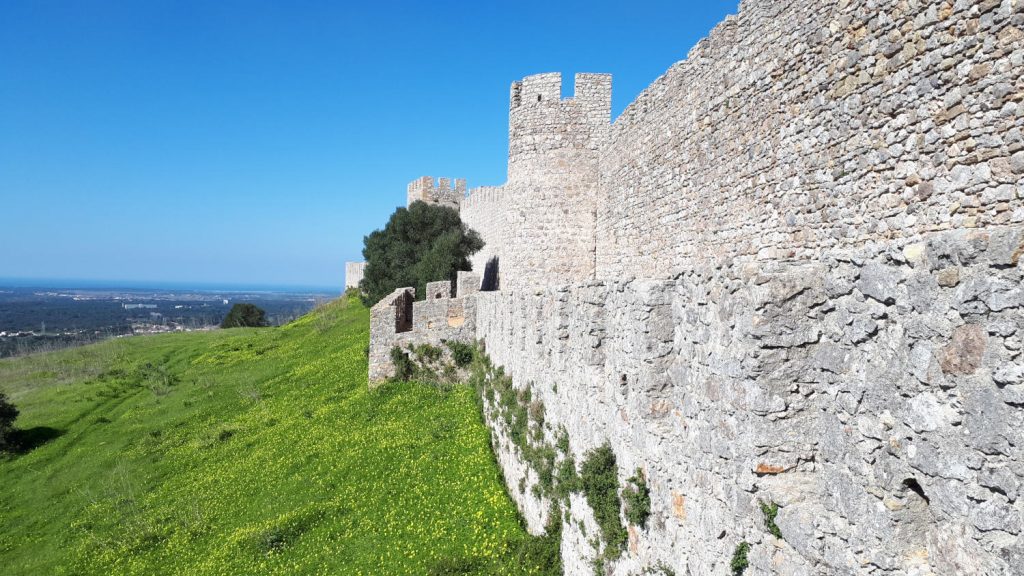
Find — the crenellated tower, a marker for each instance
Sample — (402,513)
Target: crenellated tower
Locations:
(551,192)
(442,193)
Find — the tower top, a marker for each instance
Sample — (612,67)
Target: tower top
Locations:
(441,192)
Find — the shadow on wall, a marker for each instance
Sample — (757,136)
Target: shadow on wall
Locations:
(491,281)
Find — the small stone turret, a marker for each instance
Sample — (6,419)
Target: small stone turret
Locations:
(442,193)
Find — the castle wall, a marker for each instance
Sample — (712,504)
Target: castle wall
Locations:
(832,387)
(354,274)
(485,211)
(437,319)
(800,126)
(790,271)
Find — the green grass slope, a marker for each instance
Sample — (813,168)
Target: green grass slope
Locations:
(248,452)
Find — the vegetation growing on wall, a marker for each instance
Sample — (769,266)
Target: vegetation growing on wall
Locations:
(739,562)
(462,353)
(637,498)
(429,364)
(522,418)
(419,244)
(770,511)
(600,483)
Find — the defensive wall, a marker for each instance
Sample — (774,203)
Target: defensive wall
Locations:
(790,271)
(399,320)
(354,274)
(875,395)
(485,210)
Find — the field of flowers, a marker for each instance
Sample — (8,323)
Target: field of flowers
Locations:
(248,452)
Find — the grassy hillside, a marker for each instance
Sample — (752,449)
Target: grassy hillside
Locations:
(248,452)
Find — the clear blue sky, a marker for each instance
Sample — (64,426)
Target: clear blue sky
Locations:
(258,142)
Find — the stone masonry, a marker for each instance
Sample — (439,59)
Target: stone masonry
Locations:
(790,271)
(833,387)
(399,320)
(424,189)
(354,274)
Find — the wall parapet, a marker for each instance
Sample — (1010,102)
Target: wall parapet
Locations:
(399,320)
(442,191)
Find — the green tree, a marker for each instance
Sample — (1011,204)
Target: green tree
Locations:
(7,415)
(420,244)
(245,315)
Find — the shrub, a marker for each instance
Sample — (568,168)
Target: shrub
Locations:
(600,482)
(427,353)
(739,562)
(419,244)
(770,511)
(544,553)
(542,458)
(462,353)
(8,413)
(637,497)
(403,364)
(245,315)
(567,480)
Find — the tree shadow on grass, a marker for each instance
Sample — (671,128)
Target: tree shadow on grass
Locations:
(26,440)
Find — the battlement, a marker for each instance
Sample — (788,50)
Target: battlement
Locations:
(540,120)
(441,192)
(482,195)
(399,320)
(547,89)
(537,89)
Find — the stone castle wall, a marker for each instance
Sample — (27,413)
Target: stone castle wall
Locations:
(485,211)
(354,274)
(441,192)
(790,271)
(399,320)
(801,126)
(877,396)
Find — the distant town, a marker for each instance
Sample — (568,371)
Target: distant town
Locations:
(36,319)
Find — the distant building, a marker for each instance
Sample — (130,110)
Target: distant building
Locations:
(354,274)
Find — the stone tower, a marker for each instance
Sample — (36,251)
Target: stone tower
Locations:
(441,193)
(551,191)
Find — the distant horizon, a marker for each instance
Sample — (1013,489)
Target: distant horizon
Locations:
(197,286)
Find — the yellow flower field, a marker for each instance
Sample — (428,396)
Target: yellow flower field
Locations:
(249,452)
